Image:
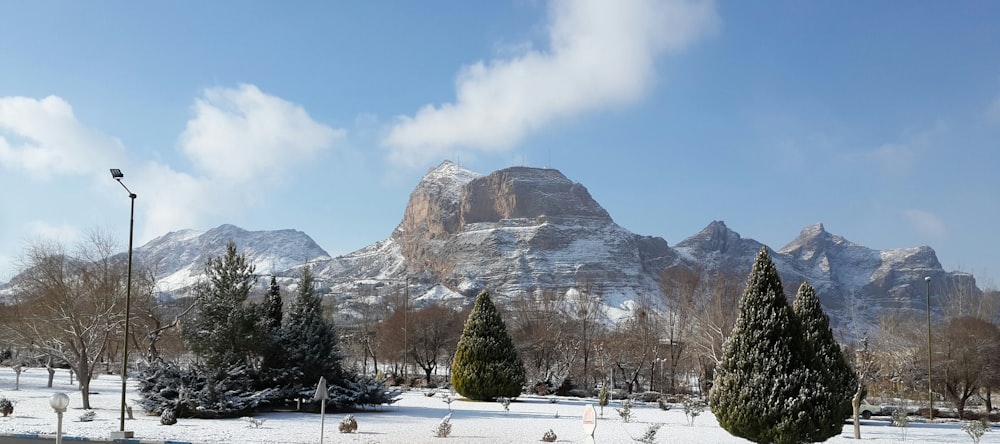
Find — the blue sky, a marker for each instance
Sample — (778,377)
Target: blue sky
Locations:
(879,119)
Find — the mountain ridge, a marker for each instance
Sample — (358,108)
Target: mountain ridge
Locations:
(524,231)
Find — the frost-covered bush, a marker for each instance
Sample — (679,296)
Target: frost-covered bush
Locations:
(976,429)
(348,424)
(663,404)
(692,408)
(6,407)
(88,416)
(549,436)
(443,428)
(168,417)
(505,402)
(650,436)
(486,363)
(625,412)
(252,422)
(899,419)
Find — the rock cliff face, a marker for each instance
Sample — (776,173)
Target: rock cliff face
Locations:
(518,231)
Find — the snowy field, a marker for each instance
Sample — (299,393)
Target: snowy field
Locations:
(411,420)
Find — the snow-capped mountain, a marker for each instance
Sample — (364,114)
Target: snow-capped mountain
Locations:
(520,232)
(178,258)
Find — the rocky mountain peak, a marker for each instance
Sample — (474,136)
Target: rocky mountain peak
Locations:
(527,193)
(716,237)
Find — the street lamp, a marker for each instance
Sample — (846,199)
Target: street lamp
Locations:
(930,391)
(117,175)
(59,402)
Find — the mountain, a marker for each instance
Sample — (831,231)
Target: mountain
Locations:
(520,232)
(178,258)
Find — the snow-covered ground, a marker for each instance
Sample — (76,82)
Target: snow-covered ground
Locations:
(411,420)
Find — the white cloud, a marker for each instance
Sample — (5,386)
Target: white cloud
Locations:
(240,133)
(43,138)
(64,234)
(926,223)
(601,54)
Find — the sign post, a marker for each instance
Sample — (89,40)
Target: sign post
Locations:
(321,395)
(589,423)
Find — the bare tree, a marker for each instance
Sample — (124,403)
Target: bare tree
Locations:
(549,342)
(866,367)
(637,342)
(586,302)
(966,355)
(434,331)
(682,288)
(69,307)
(708,305)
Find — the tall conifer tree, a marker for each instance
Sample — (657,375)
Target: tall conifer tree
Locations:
(309,342)
(834,380)
(273,306)
(224,334)
(486,364)
(762,383)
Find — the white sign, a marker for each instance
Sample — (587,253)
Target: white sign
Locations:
(589,420)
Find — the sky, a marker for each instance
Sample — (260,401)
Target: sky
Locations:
(880,120)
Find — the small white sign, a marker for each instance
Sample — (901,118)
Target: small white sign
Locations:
(589,420)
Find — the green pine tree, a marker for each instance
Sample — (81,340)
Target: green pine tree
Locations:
(309,341)
(762,382)
(271,316)
(272,306)
(224,334)
(486,364)
(835,381)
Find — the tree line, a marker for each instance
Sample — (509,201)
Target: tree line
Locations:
(68,308)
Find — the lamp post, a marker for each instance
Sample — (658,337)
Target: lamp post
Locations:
(930,390)
(117,175)
(59,402)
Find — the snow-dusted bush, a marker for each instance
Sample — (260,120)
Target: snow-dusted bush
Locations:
(168,417)
(625,412)
(976,429)
(549,436)
(650,436)
(692,408)
(6,407)
(88,416)
(663,404)
(486,363)
(901,420)
(348,424)
(252,422)
(505,402)
(443,428)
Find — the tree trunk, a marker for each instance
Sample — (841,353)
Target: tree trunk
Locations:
(83,376)
(989,400)
(856,404)
(52,372)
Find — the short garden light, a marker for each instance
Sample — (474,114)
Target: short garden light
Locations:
(59,402)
